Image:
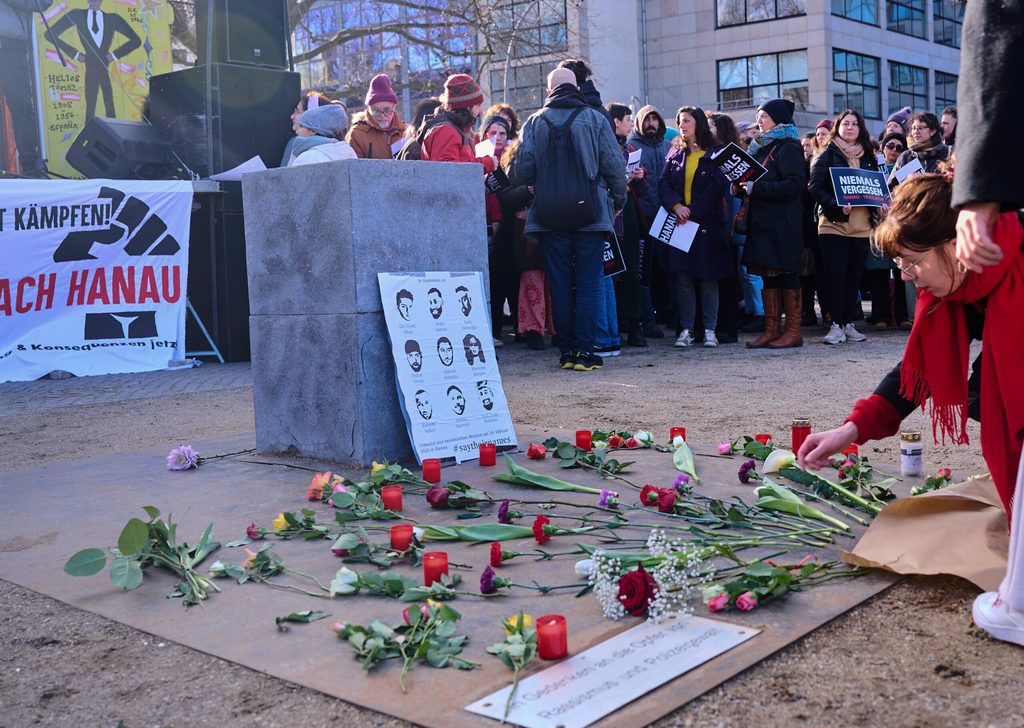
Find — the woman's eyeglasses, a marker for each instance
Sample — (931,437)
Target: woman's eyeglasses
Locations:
(906,268)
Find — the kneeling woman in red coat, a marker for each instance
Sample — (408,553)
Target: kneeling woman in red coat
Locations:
(954,306)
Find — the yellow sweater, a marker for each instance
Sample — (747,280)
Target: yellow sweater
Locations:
(692,160)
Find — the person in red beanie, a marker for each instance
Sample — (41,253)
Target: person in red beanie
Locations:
(375,131)
(821,134)
(954,306)
(448,135)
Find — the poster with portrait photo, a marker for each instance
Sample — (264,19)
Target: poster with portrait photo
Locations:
(447,375)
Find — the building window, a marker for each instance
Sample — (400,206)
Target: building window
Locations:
(863,11)
(532,27)
(738,12)
(908,86)
(527,86)
(945,91)
(949,19)
(907,17)
(856,83)
(746,82)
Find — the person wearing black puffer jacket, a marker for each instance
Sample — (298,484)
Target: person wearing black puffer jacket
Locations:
(844,233)
(774,245)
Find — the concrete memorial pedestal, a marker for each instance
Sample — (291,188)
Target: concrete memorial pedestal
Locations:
(316,237)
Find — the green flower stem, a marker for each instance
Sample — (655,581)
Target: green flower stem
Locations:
(291,587)
(545,589)
(834,506)
(605,474)
(313,579)
(203,459)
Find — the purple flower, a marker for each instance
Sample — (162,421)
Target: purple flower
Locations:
(487,581)
(744,472)
(183,457)
(681,482)
(503,516)
(608,499)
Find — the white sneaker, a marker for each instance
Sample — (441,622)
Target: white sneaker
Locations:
(998,618)
(685,340)
(709,338)
(835,335)
(852,334)
(498,343)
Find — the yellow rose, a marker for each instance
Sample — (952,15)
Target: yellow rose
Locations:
(512,623)
(280,523)
(376,467)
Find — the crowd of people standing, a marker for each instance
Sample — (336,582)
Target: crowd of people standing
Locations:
(763,253)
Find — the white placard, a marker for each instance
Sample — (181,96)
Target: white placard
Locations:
(485,148)
(93,276)
(254,164)
(448,380)
(667,229)
(397,147)
(633,162)
(910,168)
(608,676)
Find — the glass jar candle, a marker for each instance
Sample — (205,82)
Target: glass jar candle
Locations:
(910,453)
(801,429)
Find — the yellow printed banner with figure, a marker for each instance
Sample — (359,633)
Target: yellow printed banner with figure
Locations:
(96,59)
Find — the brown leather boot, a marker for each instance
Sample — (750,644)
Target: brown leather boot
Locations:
(791,336)
(772,299)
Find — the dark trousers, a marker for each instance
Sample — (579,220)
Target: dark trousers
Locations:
(14,77)
(97,79)
(843,259)
(504,280)
(574,266)
(627,295)
(888,298)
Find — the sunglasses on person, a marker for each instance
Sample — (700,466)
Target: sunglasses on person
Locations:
(894,145)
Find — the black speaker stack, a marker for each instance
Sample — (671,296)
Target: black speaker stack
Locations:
(234,105)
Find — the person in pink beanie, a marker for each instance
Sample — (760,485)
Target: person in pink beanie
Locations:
(378,127)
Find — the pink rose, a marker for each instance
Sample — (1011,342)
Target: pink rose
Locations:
(719,603)
(846,464)
(746,601)
(632,443)
(724,448)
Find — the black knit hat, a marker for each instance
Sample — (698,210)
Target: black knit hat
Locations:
(781,110)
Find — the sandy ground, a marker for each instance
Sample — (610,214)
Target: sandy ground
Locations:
(909,657)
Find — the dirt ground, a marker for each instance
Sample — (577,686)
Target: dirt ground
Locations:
(909,657)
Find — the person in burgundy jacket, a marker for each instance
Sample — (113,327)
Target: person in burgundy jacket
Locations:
(448,135)
(955,305)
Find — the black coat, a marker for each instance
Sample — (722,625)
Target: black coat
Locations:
(774,221)
(821,187)
(990,106)
(709,257)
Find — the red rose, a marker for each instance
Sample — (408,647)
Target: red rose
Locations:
(632,443)
(538,529)
(636,590)
(616,441)
(666,500)
(536,451)
(649,495)
(495,554)
(437,496)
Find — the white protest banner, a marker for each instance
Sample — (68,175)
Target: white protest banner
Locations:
(93,276)
(397,147)
(667,229)
(738,166)
(448,381)
(859,187)
(911,167)
(614,673)
(485,148)
(633,162)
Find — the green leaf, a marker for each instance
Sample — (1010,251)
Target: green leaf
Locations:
(683,460)
(134,537)
(346,541)
(125,573)
(523,476)
(86,562)
(151,511)
(240,542)
(304,617)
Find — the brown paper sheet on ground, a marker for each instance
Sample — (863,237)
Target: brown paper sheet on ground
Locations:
(959,530)
(51,512)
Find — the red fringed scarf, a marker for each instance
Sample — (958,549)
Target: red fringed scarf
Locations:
(936,365)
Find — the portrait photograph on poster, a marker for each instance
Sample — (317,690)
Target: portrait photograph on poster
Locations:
(447,375)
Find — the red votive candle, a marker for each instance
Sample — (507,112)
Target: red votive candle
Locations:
(852,450)
(673,431)
(584,439)
(401,536)
(392,497)
(801,429)
(435,563)
(552,640)
(432,470)
(488,453)
(763,438)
